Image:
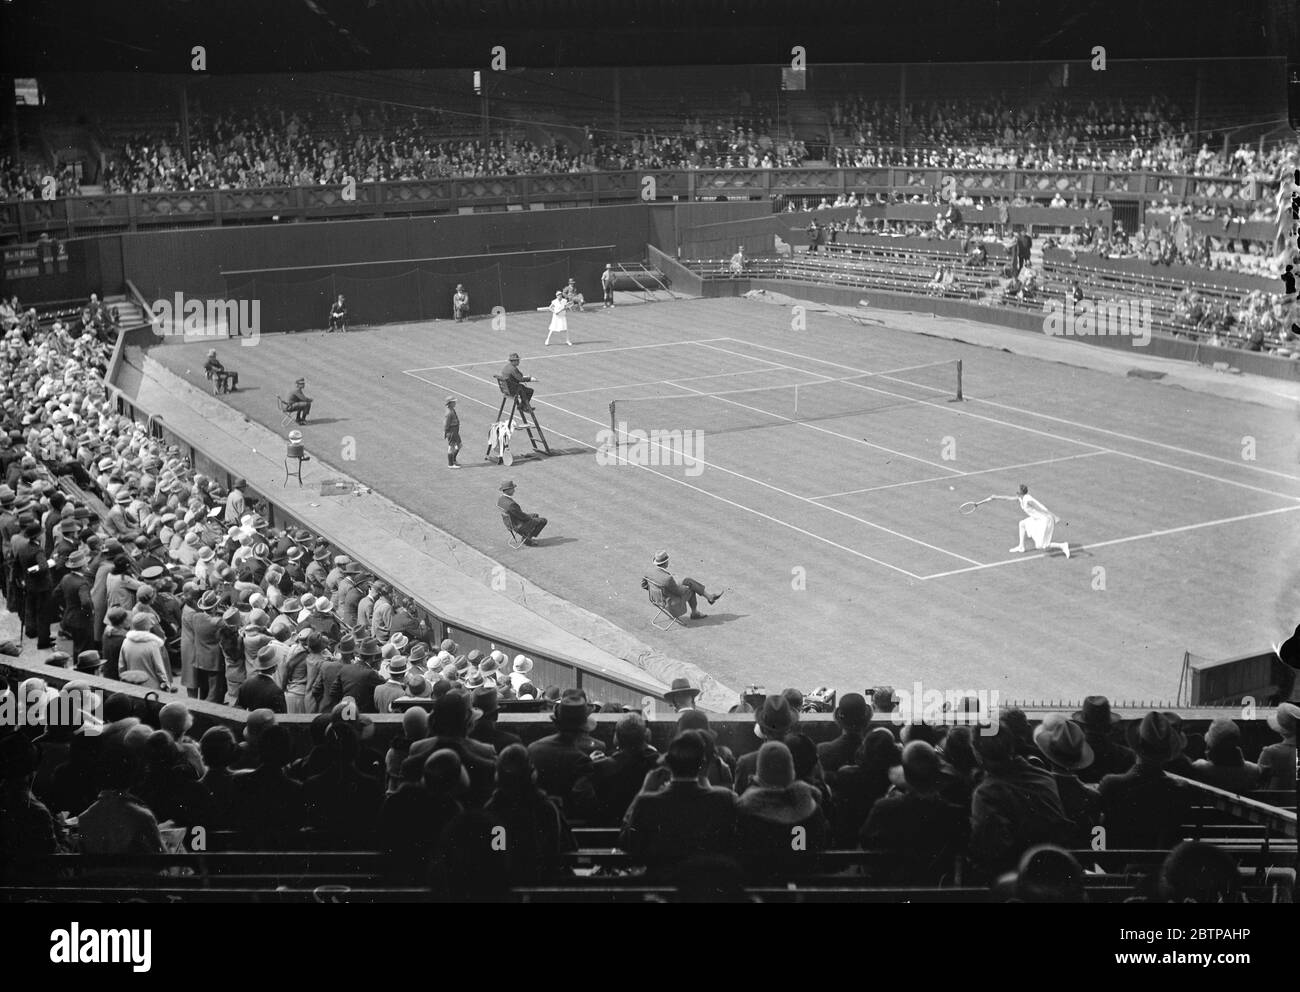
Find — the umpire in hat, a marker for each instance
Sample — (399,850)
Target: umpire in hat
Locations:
(526,525)
(299,402)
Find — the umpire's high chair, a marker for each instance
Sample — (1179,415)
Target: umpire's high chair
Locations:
(527,417)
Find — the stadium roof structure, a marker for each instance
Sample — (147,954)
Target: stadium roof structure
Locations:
(307,35)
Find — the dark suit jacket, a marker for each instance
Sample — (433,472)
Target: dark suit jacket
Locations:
(616,780)
(842,751)
(260,692)
(359,682)
(487,732)
(685,819)
(561,765)
(207,645)
(925,834)
(78,609)
(523,521)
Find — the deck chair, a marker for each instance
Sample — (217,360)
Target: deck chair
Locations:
(516,538)
(220,381)
(664,619)
(286,414)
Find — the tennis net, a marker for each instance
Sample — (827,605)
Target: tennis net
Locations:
(687,409)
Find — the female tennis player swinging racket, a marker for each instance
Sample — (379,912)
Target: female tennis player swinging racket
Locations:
(1038,523)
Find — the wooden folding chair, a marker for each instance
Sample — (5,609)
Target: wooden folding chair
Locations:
(664,619)
(286,414)
(516,538)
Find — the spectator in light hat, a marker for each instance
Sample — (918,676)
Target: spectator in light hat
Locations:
(519,671)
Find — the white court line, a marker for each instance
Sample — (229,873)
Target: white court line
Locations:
(1033,430)
(564,353)
(948,478)
(757,482)
(804,423)
(662,475)
(1041,416)
(1120,540)
(658,382)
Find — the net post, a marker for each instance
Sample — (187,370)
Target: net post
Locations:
(959,393)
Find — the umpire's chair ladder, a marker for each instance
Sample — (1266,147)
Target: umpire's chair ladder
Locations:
(510,396)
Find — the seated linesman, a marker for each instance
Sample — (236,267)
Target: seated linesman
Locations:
(299,402)
(215,370)
(678,595)
(526,525)
(572,296)
(339,316)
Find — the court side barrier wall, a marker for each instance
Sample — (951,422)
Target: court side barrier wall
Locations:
(1258,675)
(299,298)
(735,731)
(1160,346)
(162,263)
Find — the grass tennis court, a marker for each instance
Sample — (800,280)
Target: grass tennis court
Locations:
(823,494)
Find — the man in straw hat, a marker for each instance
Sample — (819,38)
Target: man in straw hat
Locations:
(678,596)
(682,695)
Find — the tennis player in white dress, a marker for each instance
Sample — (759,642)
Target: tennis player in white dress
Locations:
(1039,523)
(559,318)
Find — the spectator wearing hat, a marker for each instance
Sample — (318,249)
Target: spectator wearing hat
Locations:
(177,720)
(451,431)
(775,719)
(681,696)
(120,522)
(617,778)
(219,751)
(675,817)
(347,598)
(299,403)
(853,717)
(331,665)
(415,727)
(381,616)
(413,817)
(340,798)
(719,762)
(291,671)
(1143,807)
(1015,806)
(451,719)
(32,572)
(358,679)
(677,596)
(520,669)
(1224,766)
(1046,873)
(563,760)
(488,702)
(270,803)
(208,658)
(1196,872)
(1277,762)
(117,822)
(394,687)
(779,818)
(110,644)
(1063,743)
(142,651)
(526,525)
(1101,728)
(29,833)
(78,607)
(533,821)
(259,691)
(922,832)
(235,507)
(511,374)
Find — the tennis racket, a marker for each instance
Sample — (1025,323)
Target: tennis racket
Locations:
(971,507)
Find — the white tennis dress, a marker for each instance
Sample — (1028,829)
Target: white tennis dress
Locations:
(1039,522)
(559,319)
